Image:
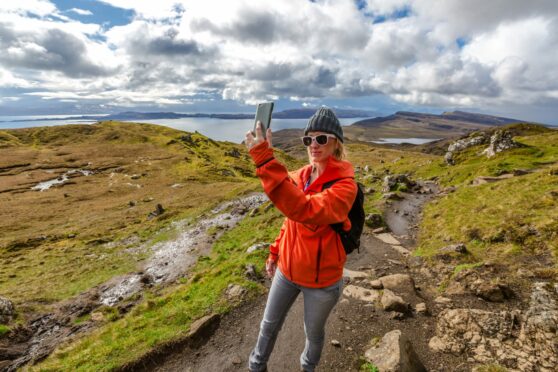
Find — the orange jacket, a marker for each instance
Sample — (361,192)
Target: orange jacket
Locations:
(310,251)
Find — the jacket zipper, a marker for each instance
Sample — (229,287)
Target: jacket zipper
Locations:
(318,260)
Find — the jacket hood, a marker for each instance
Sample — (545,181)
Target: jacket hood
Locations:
(335,169)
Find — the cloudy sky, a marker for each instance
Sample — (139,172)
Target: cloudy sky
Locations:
(86,56)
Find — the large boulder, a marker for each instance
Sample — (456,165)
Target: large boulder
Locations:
(394,353)
(7,310)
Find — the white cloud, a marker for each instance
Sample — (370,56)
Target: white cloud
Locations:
(247,50)
(82,12)
(36,7)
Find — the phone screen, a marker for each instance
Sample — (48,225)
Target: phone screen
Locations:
(263,114)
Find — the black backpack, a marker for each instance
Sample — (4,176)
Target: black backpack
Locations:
(351,238)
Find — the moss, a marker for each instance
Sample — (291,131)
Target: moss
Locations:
(4,330)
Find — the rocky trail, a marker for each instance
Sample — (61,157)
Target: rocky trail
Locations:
(380,270)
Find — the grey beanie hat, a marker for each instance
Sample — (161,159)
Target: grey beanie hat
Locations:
(325,120)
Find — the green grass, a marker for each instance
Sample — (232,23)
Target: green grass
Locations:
(507,221)
(506,217)
(166,317)
(4,329)
(369,367)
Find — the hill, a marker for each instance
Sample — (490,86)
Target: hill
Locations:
(64,246)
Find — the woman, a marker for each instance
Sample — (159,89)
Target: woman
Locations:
(308,255)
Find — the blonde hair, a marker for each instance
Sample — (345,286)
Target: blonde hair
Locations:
(340,152)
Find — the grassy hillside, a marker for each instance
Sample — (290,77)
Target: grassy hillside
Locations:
(512,222)
(64,240)
(166,316)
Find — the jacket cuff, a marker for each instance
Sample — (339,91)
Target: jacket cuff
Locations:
(261,153)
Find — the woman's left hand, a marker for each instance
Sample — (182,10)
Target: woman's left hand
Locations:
(252,141)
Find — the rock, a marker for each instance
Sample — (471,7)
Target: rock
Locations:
(354,275)
(376,284)
(421,308)
(500,141)
(391,302)
(254,212)
(394,353)
(159,210)
(251,273)
(401,283)
(227,173)
(379,230)
(97,316)
(477,138)
(336,343)
(388,238)
(415,261)
(454,248)
(493,292)
(392,196)
(366,168)
(135,176)
(200,326)
(369,190)
(257,247)
(360,293)
(481,180)
(403,251)
(374,220)
(236,360)
(235,292)
(233,153)
(7,310)
(392,181)
(442,300)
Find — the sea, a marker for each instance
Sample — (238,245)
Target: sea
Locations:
(233,130)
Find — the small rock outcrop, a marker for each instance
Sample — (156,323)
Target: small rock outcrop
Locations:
(520,341)
(460,145)
(392,181)
(500,141)
(7,310)
(394,353)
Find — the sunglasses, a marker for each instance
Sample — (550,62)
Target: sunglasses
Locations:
(321,139)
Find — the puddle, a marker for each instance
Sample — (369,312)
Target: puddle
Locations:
(45,185)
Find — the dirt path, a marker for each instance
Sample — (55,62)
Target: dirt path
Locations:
(353,322)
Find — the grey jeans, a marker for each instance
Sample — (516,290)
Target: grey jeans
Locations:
(318,303)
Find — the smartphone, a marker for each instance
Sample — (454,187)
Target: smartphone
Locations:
(263,114)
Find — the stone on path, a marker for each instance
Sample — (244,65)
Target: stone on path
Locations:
(388,238)
(394,353)
(421,308)
(359,293)
(403,251)
(401,283)
(352,274)
(392,302)
(7,311)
